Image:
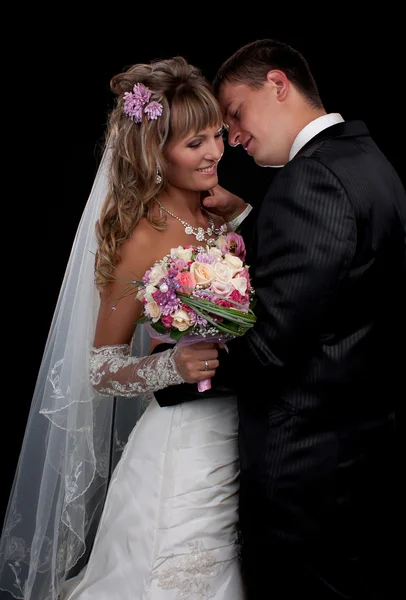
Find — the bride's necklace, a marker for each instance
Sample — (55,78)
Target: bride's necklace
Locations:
(201,235)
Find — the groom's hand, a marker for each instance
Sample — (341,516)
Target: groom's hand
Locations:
(196,362)
(220,201)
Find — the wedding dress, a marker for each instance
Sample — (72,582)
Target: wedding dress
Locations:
(169,525)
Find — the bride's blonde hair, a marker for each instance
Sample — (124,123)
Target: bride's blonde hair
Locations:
(188,105)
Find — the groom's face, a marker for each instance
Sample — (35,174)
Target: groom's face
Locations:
(255,121)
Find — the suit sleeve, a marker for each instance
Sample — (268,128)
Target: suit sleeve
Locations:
(306,237)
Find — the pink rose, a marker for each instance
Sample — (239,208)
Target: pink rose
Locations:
(237,297)
(225,303)
(234,244)
(244,273)
(221,289)
(187,282)
(167,321)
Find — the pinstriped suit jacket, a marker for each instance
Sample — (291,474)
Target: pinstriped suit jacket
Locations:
(328,256)
(322,372)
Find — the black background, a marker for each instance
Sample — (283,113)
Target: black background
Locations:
(61,91)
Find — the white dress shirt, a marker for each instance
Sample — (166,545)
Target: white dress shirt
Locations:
(312,129)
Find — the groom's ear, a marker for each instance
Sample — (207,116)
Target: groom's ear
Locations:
(280,82)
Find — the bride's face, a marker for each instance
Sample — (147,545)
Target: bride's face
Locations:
(192,161)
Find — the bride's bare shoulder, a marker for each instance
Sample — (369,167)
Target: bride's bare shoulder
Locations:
(143,235)
(139,250)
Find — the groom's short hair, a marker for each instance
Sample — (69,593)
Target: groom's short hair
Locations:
(251,63)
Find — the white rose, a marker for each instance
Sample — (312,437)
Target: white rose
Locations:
(149,290)
(158,272)
(220,241)
(181,252)
(203,273)
(222,272)
(215,252)
(181,320)
(234,263)
(153,310)
(240,284)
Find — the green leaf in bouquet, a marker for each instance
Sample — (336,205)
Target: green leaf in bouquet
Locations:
(177,335)
(219,326)
(236,316)
(159,327)
(237,329)
(224,315)
(246,315)
(243,306)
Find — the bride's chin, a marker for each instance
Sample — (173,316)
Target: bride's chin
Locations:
(213,182)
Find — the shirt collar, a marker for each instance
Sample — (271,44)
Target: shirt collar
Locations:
(312,129)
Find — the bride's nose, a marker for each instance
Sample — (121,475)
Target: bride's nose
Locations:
(216,151)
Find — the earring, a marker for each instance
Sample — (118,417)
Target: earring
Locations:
(158,178)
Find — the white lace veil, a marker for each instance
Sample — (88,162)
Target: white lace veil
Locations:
(73,436)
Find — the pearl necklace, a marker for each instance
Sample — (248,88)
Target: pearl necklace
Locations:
(199,233)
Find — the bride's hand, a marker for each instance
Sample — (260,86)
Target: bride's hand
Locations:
(196,362)
(223,203)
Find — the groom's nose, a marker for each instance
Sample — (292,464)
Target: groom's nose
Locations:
(233,136)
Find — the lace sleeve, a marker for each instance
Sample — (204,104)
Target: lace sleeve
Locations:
(115,372)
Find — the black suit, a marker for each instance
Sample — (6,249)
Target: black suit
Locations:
(322,374)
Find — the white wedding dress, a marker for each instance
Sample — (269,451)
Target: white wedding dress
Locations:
(169,525)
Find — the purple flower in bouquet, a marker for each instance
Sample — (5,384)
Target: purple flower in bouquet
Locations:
(197,320)
(234,244)
(205,295)
(172,306)
(208,259)
(145,279)
(165,295)
(176,267)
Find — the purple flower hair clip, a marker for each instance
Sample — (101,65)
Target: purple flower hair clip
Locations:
(137,102)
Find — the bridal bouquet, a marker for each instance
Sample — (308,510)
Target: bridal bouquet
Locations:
(199,293)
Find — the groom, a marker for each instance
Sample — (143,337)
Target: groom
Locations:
(321,373)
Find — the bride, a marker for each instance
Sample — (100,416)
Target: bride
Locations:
(167,527)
